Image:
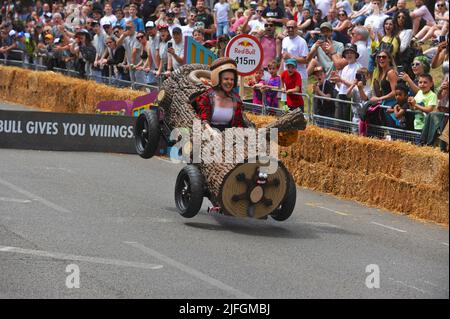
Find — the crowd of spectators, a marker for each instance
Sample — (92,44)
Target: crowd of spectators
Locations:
(362,50)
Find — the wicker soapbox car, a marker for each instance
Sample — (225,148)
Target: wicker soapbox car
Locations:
(240,190)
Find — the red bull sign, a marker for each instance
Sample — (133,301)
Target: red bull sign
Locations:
(247,52)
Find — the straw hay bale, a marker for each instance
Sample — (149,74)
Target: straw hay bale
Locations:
(55,92)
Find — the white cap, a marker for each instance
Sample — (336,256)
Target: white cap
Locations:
(12,33)
(150,24)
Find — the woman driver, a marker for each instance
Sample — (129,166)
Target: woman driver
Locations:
(219,106)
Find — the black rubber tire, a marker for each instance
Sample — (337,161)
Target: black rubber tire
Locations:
(191,180)
(146,143)
(288,204)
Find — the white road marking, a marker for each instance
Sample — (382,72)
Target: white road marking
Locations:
(34,197)
(389,227)
(96,260)
(193,272)
(14,200)
(328,209)
(409,286)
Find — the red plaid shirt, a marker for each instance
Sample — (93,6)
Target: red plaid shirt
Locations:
(204,108)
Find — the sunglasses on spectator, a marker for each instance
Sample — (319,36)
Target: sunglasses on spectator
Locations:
(441,5)
(109,42)
(268,25)
(416,64)
(382,57)
(290,27)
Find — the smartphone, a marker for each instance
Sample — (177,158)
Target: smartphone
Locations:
(360,77)
(169,45)
(321,37)
(441,38)
(400,69)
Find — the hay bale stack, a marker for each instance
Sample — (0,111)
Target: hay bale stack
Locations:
(393,175)
(55,92)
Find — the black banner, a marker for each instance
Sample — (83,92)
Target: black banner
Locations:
(66,132)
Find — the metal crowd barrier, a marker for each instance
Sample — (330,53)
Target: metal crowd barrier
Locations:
(268,110)
(321,121)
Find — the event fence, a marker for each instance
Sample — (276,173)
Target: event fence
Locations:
(382,132)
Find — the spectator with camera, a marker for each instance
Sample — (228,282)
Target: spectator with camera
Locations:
(175,50)
(325,88)
(327,52)
(420,65)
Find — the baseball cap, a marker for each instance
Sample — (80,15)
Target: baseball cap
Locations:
(291,61)
(150,24)
(106,23)
(48,15)
(20,35)
(176,30)
(326,25)
(12,33)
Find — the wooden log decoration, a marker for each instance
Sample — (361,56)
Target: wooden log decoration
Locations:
(232,186)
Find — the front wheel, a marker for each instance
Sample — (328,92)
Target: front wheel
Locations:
(284,211)
(147,134)
(189,190)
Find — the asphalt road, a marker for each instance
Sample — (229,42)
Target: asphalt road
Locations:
(114,218)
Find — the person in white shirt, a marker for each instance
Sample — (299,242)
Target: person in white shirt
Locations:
(345,80)
(295,47)
(175,50)
(344,5)
(360,37)
(109,16)
(189,28)
(256,23)
(221,17)
(325,6)
(375,21)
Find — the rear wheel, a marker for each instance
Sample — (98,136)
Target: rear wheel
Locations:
(284,211)
(147,134)
(189,191)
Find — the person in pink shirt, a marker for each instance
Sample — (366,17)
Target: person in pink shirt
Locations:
(239,20)
(257,83)
(421,12)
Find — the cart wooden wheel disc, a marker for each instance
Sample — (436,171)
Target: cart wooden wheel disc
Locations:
(243,196)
